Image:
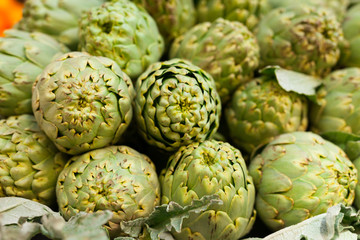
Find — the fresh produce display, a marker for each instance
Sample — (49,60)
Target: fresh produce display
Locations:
(180,119)
(211,167)
(300,175)
(350,52)
(338,108)
(176,104)
(83,102)
(123,32)
(225,49)
(58,18)
(261,110)
(173,17)
(116,178)
(247,12)
(300,38)
(29,161)
(23,56)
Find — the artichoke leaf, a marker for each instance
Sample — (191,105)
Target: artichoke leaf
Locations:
(349,142)
(294,81)
(166,217)
(339,222)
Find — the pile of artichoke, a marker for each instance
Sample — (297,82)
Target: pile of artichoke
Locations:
(133,106)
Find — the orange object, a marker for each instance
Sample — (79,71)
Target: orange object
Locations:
(10,14)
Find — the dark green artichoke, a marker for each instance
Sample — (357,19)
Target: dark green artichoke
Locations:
(300,38)
(205,168)
(173,17)
(339,103)
(115,178)
(350,50)
(29,161)
(83,102)
(176,104)
(57,18)
(260,110)
(225,49)
(300,175)
(23,56)
(247,12)
(123,32)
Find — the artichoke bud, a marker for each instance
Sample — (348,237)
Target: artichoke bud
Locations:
(206,168)
(176,104)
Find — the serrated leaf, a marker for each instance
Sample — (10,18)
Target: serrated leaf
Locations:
(167,217)
(339,222)
(294,81)
(12,209)
(349,142)
(83,226)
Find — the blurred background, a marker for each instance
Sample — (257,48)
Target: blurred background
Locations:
(10,13)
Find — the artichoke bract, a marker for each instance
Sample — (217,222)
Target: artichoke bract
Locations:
(83,102)
(173,17)
(260,110)
(211,167)
(123,32)
(350,50)
(23,56)
(115,178)
(57,18)
(247,12)
(225,49)
(299,175)
(29,162)
(176,103)
(339,105)
(300,38)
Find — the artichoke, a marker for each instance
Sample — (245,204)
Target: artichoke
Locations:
(247,12)
(57,18)
(173,17)
(339,103)
(205,168)
(29,161)
(83,102)
(337,7)
(299,175)
(261,110)
(123,32)
(176,104)
(301,38)
(227,50)
(22,57)
(350,51)
(116,178)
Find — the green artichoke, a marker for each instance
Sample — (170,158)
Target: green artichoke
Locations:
(29,162)
(83,102)
(261,110)
(350,50)
(339,103)
(123,32)
(176,104)
(22,57)
(58,18)
(337,7)
(247,12)
(227,50)
(205,168)
(301,38)
(173,17)
(116,178)
(300,175)
(357,189)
